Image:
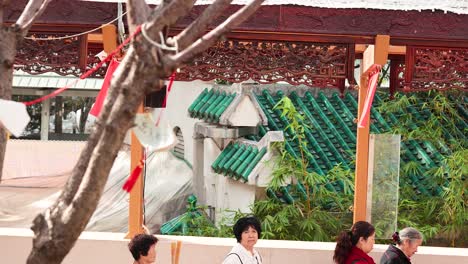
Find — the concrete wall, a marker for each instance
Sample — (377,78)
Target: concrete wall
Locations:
(92,247)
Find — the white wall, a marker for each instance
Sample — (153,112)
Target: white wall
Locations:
(93,247)
(211,152)
(180,97)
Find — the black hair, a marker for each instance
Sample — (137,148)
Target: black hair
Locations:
(140,244)
(243,224)
(348,239)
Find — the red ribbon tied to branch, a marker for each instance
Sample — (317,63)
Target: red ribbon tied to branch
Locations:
(373,72)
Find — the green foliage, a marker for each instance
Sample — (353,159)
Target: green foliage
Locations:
(317,210)
(203,226)
(432,120)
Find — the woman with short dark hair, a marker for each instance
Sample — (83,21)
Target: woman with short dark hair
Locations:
(406,242)
(352,247)
(142,247)
(247,231)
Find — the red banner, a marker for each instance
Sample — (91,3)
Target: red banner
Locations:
(371,88)
(96,109)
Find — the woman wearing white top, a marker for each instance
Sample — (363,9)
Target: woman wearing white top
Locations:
(247,231)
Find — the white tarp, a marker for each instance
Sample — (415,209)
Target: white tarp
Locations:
(168,183)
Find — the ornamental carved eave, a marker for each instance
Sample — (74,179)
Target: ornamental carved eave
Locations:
(428,68)
(70,56)
(426,24)
(322,65)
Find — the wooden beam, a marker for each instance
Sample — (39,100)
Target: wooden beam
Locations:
(109,33)
(95,38)
(392,49)
(377,54)
(396,50)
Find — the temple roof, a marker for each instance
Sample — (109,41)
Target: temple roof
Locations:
(53,80)
(331,135)
(455,6)
(210,105)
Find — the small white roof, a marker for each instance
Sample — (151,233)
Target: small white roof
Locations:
(53,80)
(455,6)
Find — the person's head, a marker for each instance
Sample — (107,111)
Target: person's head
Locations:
(247,231)
(361,235)
(142,247)
(408,240)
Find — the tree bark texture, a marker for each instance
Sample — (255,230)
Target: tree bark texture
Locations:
(10,38)
(141,71)
(7,57)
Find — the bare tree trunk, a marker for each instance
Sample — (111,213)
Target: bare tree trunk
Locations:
(57,229)
(10,37)
(7,57)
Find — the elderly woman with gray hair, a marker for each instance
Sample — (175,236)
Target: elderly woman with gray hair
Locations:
(407,242)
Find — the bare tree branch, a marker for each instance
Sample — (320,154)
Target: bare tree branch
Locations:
(33,9)
(158,20)
(198,27)
(211,37)
(138,12)
(74,181)
(167,16)
(57,229)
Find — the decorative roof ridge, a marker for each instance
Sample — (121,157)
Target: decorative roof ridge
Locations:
(265,141)
(242,90)
(287,89)
(220,105)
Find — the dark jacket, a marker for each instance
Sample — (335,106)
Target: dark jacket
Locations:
(394,255)
(358,256)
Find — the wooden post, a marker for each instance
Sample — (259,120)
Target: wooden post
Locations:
(377,54)
(135,209)
(109,38)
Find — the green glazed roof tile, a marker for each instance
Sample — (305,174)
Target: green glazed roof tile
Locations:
(238,160)
(211,104)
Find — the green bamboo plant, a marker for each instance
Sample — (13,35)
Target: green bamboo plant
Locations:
(315,213)
(443,216)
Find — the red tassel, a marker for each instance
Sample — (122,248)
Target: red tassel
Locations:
(128,185)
